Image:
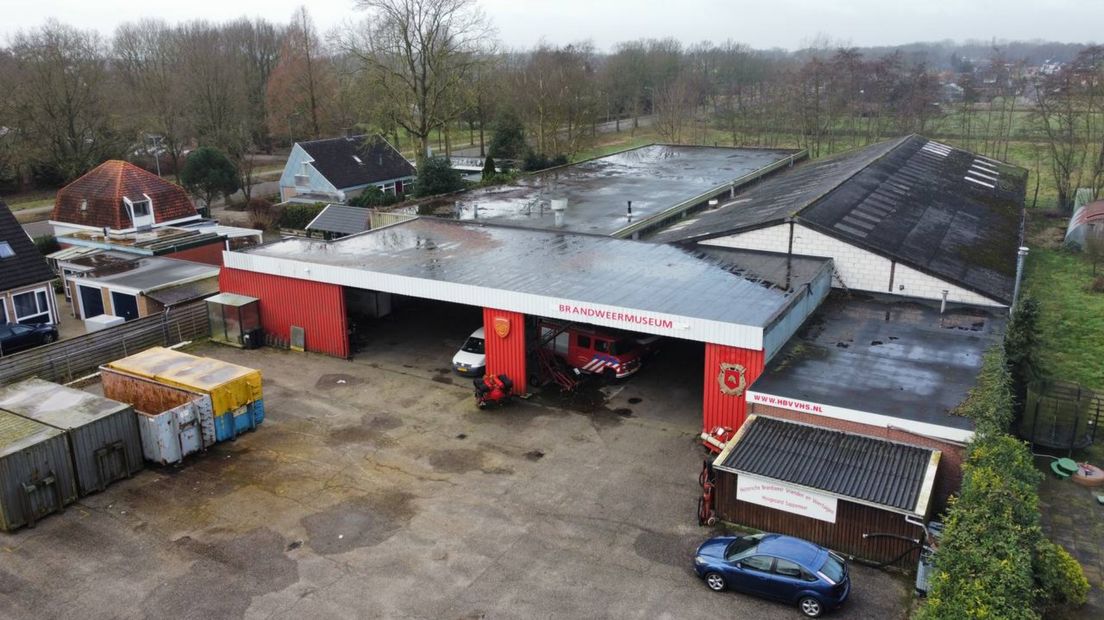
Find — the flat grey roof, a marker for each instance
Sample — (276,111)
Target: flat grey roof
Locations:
(886,356)
(585,268)
(56,405)
(655,178)
(151,272)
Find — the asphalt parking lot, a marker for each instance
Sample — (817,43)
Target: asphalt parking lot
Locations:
(375,488)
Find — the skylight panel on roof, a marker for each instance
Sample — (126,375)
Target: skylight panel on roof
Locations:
(6,250)
(937,149)
(357,160)
(981,175)
(979,182)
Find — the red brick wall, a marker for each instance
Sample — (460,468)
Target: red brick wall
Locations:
(948,477)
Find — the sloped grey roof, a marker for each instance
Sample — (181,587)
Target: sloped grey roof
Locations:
(26,265)
(865,468)
(943,211)
(357,160)
(341,219)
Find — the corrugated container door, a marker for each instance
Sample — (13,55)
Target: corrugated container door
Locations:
(36,473)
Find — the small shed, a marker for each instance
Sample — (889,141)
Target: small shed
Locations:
(235,320)
(102,433)
(36,472)
(861,496)
(1087,219)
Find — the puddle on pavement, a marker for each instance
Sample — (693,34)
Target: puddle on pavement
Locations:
(371,430)
(228,573)
(358,522)
(331,381)
(463,460)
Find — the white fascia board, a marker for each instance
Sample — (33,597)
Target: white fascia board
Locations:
(658,323)
(878,420)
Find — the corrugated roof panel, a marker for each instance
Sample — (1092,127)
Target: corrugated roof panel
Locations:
(864,468)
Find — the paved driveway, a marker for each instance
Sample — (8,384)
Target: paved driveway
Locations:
(375,488)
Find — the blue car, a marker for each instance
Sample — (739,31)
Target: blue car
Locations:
(773,566)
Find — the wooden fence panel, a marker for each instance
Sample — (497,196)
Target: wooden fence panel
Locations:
(66,360)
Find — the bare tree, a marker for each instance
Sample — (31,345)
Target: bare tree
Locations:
(674,110)
(148,61)
(302,85)
(1058,115)
(60,99)
(419,54)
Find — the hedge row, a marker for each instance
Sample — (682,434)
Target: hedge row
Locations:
(994,561)
(297,216)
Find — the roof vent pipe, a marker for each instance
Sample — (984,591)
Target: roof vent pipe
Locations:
(943,304)
(559,205)
(629,213)
(1021,255)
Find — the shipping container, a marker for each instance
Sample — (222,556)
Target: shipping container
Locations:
(173,422)
(230,386)
(36,471)
(103,434)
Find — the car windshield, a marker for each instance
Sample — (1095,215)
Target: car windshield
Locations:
(742,546)
(473,345)
(832,569)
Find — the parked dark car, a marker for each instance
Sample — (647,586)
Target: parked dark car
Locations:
(778,567)
(15,337)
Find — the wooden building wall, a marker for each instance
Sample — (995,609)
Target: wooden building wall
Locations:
(845,536)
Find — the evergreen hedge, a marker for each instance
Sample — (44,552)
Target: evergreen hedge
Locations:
(994,561)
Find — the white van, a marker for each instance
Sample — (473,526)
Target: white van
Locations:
(471,359)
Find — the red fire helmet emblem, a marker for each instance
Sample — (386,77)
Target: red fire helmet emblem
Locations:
(732,379)
(502,326)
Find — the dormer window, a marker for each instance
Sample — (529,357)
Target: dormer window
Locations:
(141,208)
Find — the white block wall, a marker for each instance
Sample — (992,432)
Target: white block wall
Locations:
(857,268)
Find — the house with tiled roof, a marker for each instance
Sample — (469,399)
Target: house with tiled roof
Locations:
(122,198)
(339,169)
(26,281)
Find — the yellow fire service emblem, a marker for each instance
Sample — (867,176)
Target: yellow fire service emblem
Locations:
(733,379)
(502,326)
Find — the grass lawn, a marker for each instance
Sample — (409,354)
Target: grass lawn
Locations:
(1072,317)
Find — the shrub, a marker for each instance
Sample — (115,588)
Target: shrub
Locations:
(47,244)
(1097,285)
(373,196)
(263,214)
(508,138)
(437,176)
(488,168)
(297,216)
(1061,581)
(989,403)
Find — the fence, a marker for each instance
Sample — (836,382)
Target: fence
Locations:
(66,360)
(1061,416)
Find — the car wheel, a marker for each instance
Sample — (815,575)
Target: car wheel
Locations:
(715,581)
(810,607)
(47,339)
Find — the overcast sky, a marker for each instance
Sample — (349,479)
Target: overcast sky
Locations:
(761,24)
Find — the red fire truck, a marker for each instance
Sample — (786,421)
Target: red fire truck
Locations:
(609,352)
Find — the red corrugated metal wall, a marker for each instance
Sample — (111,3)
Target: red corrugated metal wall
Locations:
(317,307)
(506,355)
(719,408)
(210,253)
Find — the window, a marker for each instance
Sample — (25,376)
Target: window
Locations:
(787,568)
(6,250)
(124,305)
(141,208)
(3,311)
(31,307)
(582,341)
(741,546)
(758,562)
(602,346)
